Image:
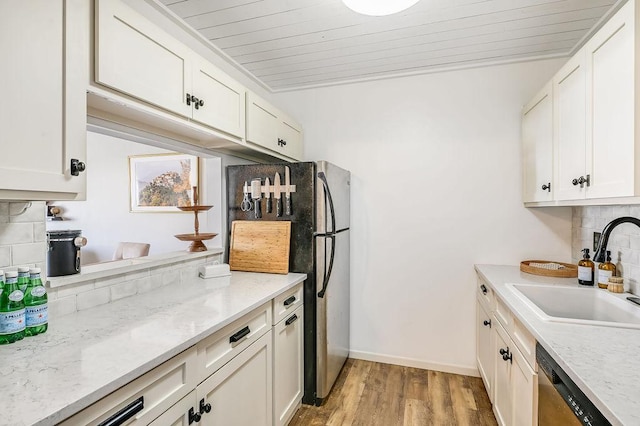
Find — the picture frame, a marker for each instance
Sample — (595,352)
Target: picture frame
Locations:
(157,182)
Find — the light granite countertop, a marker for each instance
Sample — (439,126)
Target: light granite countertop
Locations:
(603,361)
(87,355)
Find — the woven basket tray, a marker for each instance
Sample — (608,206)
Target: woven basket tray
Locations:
(569,271)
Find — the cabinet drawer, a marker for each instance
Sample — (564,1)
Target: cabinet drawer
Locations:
(218,349)
(525,342)
(159,389)
(485,294)
(287,302)
(503,314)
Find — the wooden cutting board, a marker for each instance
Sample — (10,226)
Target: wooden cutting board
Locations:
(260,246)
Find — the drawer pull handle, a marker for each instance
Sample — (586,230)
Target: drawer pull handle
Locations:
(240,335)
(483,288)
(289,301)
(291,320)
(204,408)
(194,416)
(125,414)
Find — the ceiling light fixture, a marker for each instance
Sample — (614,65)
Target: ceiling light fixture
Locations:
(379,7)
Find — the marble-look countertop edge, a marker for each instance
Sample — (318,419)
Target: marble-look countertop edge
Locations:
(72,407)
(541,330)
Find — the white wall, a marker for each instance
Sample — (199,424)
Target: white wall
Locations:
(105,219)
(436,178)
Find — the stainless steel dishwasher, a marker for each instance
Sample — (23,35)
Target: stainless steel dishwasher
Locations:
(560,401)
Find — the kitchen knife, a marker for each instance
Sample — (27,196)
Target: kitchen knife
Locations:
(287,186)
(267,184)
(277,194)
(256,195)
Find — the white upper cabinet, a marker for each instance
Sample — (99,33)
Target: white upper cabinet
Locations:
(43,102)
(220,99)
(570,128)
(537,147)
(611,143)
(270,128)
(135,57)
(595,152)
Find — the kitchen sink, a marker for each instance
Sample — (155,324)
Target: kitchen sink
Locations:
(591,305)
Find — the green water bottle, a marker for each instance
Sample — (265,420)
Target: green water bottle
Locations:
(23,278)
(12,312)
(35,302)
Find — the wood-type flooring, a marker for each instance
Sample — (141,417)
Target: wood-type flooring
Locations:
(373,394)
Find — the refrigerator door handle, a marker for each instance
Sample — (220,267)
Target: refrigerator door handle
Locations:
(327,275)
(327,192)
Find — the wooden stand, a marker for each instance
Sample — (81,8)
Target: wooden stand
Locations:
(195,238)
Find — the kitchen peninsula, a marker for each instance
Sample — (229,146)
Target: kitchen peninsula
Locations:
(87,355)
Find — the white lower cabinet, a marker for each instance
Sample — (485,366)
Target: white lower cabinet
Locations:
(240,393)
(485,338)
(248,373)
(506,361)
(288,368)
(516,384)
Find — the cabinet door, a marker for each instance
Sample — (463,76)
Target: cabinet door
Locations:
(537,147)
(502,403)
(291,135)
(485,348)
(288,368)
(137,58)
(262,123)
(610,116)
(570,127)
(240,393)
(178,415)
(43,111)
(524,390)
(223,99)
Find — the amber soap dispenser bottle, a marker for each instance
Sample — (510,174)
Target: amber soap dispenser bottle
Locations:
(585,269)
(606,270)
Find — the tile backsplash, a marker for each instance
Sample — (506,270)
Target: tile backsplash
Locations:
(624,241)
(22,234)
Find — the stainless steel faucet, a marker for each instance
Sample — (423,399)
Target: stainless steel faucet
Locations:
(599,255)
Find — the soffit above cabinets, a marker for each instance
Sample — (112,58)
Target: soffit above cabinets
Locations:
(293,44)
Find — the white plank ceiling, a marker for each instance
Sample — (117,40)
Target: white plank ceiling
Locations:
(293,44)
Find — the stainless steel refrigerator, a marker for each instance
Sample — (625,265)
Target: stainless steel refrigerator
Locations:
(319,212)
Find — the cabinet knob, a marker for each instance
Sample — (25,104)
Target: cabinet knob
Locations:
(504,351)
(487,323)
(547,187)
(194,417)
(188,99)
(204,408)
(281,142)
(508,357)
(201,102)
(483,288)
(77,166)
(582,180)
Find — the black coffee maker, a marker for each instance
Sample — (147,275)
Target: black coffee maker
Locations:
(63,252)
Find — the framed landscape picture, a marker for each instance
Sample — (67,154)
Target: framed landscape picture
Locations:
(162,182)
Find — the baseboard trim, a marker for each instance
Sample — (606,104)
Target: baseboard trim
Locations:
(416,363)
